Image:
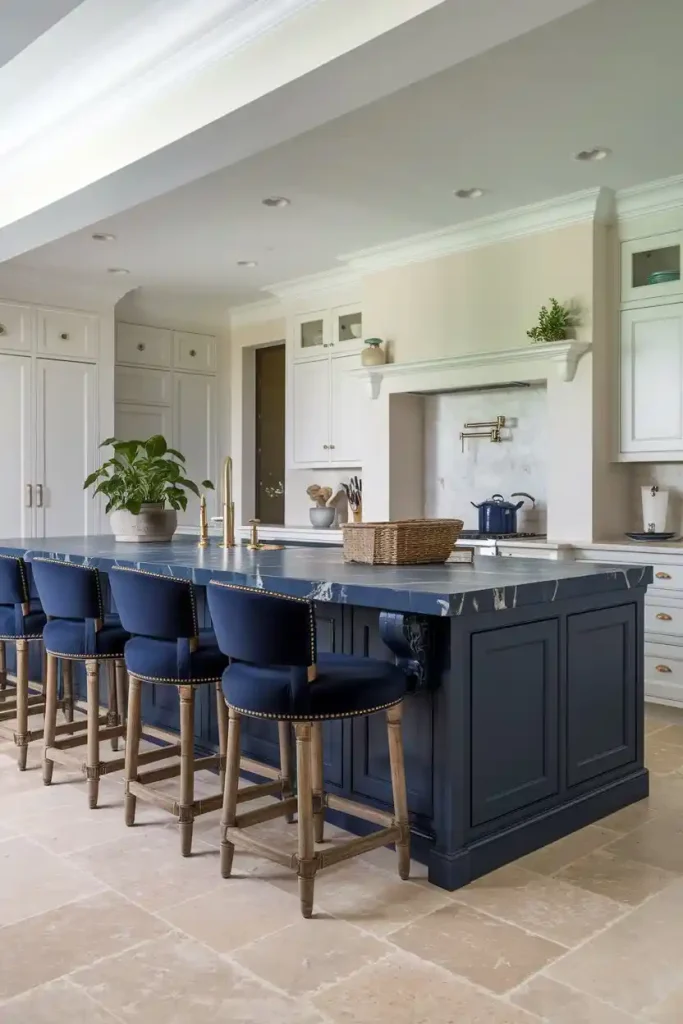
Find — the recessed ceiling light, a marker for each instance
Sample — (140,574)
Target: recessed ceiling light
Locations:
(117,270)
(469,193)
(276,201)
(247,263)
(587,155)
(101,236)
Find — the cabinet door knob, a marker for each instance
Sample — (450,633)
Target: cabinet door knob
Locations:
(193,352)
(663,616)
(662,575)
(326,446)
(662,668)
(141,346)
(332,446)
(3,329)
(64,336)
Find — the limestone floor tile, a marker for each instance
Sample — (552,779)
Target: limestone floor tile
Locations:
(175,980)
(666,793)
(7,832)
(546,906)
(76,827)
(636,963)
(662,758)
(33,881)
(491,953)
(669,1011)
(659,842)
(308,954)
(385,857)
(562,1005)
(237,912)
(629,818)
(42,948)
(672,734)
(146,866)
(551,858)
(663,713)
(404,990)
(57,1003)
(606,873)
(375,900)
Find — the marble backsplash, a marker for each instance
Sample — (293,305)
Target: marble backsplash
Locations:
(454,478)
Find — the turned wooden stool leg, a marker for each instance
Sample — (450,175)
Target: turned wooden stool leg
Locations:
(133,731)
(50,716)
(286,763)
(3,670)
(185,809)
(120,672)
(44,675)
(306,844)
(67,691)
(232,778)
(21,734)
(92,766)
(398,784)
(112,703)
(318,783)
(222,715)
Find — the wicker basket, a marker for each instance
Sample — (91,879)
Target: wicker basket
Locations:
(410,542)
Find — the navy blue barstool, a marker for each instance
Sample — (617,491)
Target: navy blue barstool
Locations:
(21,622)
(169,649)
(79,629)
(275,673)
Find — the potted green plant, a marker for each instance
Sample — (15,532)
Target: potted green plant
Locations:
(553,324)
(145,485)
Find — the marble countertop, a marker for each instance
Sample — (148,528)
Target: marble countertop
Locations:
(318,573)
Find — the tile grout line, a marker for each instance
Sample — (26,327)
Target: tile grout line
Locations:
(95,1002)
(580,992)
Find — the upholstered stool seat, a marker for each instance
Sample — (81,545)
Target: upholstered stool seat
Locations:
(69,638)
(21,622)
(168,648)
(274,672)
(344,686)
(78,629)
(159,661)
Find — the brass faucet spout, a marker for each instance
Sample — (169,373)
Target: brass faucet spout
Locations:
(228,506)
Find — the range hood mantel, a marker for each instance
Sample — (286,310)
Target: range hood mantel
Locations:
(563,355)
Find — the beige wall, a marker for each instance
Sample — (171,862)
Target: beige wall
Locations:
(484,299)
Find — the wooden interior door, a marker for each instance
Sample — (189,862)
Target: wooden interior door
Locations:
(270,434)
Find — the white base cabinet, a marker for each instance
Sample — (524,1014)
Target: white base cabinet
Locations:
(16,418)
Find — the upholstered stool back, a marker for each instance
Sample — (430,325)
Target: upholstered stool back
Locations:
(68,590)
(262,628)
(161,607)
(14,582)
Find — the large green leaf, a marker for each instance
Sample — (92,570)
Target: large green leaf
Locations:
(156,446)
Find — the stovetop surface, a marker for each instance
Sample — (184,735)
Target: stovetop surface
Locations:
(476,535)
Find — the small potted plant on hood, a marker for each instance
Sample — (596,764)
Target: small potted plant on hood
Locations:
(145,485)
(553,324)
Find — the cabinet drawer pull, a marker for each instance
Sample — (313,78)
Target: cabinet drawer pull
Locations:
(140,346)
(663,616)
(662,668)
(662,575)
(29,496)
(326,446)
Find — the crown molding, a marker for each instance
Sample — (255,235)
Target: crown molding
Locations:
(589,205)
(653,197)
(313,284)
(563,355)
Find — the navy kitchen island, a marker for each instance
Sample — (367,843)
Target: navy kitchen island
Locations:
(525,720)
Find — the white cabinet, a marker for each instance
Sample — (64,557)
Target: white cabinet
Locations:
(346,412)
(340,330)
(194,434)
(347,329)
(138,422)
(651,366)
(310,412)
(195,352)
(147,387)
(15,327)
(16,507)
(67,334)
(66,446)
(651,267)
(143,346)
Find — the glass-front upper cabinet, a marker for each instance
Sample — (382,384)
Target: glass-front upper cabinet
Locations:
(312,335)
(347,329)
(651,267)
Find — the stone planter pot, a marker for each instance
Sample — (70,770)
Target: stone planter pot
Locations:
(373,355)
(322,518)
(154,525)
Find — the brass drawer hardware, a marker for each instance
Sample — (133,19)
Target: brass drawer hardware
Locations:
(662,668)
(663,616)
(662,575)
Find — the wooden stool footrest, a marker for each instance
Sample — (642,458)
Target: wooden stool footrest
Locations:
(267,813)
(159,753)
(259,789)
(258,768)
(354,847)
(247,842)
(339,803)
(81,739)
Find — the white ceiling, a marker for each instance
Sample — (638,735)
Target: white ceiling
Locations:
(22,21)
(509,120)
